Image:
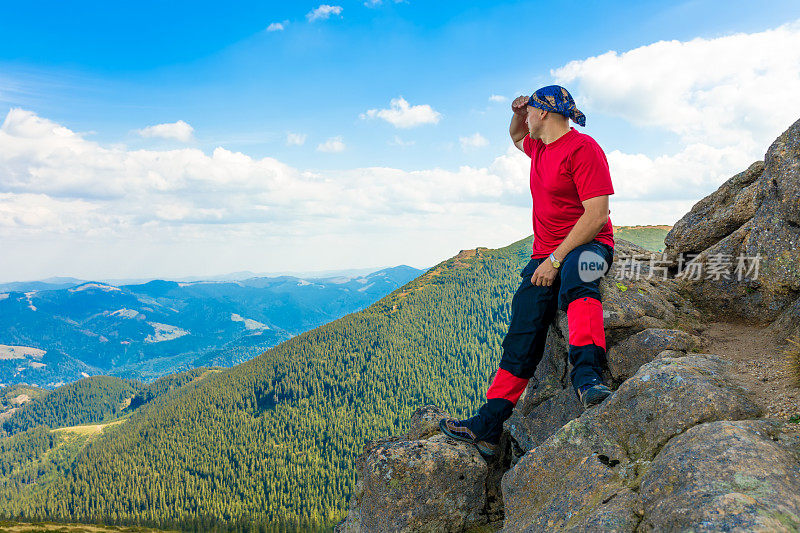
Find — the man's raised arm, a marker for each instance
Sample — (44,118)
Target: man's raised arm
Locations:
(519,128)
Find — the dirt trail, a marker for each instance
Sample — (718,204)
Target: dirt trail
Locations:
(759,359)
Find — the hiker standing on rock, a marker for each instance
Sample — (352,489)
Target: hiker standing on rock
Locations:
(573,248)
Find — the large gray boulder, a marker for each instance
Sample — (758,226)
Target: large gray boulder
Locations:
(424,481)
(603,471)
(720,213)
(753,214)
(725,476)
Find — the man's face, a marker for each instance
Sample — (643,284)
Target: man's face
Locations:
(535,119)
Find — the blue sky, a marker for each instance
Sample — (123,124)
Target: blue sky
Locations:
(150,92)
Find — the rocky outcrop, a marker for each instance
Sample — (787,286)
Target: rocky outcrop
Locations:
(753,214)
(725,476)
(676,448)
(720,213)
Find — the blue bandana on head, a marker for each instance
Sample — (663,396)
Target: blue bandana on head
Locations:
(557,99)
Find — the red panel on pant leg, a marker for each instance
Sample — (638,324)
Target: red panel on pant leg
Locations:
(585,322)
(578,323)
(506,385)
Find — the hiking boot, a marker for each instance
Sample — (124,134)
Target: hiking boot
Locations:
(457,430)
(591,395)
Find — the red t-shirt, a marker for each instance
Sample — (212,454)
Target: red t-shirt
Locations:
(565,172)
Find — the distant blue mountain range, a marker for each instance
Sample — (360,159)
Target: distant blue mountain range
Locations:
(59,330)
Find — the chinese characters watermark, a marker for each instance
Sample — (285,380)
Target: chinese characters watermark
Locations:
(688,266)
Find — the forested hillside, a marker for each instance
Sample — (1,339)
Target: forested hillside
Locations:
(91,399)
(95,399)
(273,440)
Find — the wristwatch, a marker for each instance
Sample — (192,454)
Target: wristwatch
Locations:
(556,263)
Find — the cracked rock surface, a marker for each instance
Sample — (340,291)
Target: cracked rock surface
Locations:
(587,476)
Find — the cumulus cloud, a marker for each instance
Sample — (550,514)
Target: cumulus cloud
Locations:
(58,187)
(278,26)
(709,90)
(42,159)
(45,164)
(40,156)
(498,98)
(179,131)
(724,100)
(323,12)
(332,145)
(403,115)
(296,139)
(473,141)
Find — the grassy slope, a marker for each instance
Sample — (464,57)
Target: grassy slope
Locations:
(650,237)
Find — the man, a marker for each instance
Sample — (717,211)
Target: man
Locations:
(572,249)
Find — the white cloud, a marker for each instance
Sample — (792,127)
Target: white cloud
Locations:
(332,145)
(323,12)
(39,156)
(724,100)
(498,98)
(403,115)
(397,141)
(180,131)
(167,210)
(691,173)
(473,141)
(42,159)
(278,26)
(709,90)
(296,139)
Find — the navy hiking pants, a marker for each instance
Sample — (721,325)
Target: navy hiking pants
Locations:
(575,290)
